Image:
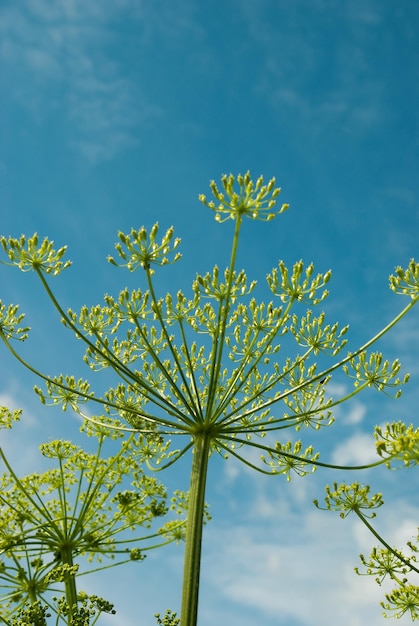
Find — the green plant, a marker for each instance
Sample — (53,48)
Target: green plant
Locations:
(55,524)
(398,445)
(206,367)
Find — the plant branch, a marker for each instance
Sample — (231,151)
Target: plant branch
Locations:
(384,543)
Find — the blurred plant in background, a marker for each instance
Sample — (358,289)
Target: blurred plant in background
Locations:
(55,525)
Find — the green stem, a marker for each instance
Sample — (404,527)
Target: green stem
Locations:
(246,442)
(177,390)
(196,506)
(116,364)
(70,582)
(169,408)
(338,365)
(385,544)
(219,339)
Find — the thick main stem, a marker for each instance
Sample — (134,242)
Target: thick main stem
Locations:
(196,506)
(70,583)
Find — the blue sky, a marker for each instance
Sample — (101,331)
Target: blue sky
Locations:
(116,114)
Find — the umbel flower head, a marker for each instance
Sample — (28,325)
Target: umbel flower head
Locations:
(208,366)
(27,254)
(248,199)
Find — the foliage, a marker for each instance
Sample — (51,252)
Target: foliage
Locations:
(54,525)
(206,367)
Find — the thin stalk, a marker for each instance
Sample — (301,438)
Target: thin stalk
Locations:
(175,458)
(339,364)
(190,365)
(116,364)
(172,410)
(194,526)
(239,374)
(219,341)
(189,405)
(262,390)
(41,508)
(384,543)
(289,455)
(273,424)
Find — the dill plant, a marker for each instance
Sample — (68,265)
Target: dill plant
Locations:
(81,516)
(205,368)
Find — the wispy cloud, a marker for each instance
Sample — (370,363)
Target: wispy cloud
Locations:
(300,569)
(321,80)
(282,559)
(359,449)
(60,59)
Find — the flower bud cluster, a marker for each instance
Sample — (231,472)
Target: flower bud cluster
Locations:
(348,498)
(406,282)
(253,200)
(27,255)
(141,249)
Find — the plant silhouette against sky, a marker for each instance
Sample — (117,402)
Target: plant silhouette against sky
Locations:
(207,367)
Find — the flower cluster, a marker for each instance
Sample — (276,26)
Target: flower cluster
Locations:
(402,600)
(398,442)
(8,416)
(140,249)
(301,285)
(406,282)
(347,498)
(28,255)
(253,200)
(10,320)
(373,371)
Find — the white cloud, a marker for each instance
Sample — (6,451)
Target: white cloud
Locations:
(297,570)
(356,450)
(349,413)
(356,414)
(275,559)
